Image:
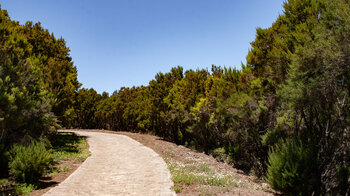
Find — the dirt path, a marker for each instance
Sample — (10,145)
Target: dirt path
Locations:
(118,165)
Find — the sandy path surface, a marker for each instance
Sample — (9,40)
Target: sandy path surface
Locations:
(118,165)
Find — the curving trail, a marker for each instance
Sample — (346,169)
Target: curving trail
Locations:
(118,165)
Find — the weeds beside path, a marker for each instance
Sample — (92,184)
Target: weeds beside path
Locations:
(66,152)
(69,151)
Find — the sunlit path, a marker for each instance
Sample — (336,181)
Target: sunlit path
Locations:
(118,166)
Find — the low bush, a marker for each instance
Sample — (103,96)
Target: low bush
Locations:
(23,189)
(28,163)
(290,169)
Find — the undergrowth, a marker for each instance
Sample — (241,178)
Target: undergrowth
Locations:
(192,172)
(67,146)
(64,146)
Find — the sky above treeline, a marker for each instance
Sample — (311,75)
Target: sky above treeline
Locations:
(124,43)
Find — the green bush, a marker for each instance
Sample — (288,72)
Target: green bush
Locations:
(28,163)
(290,169)
(23,189)
(273,137)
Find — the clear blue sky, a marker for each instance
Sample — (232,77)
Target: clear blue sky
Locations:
(116,43)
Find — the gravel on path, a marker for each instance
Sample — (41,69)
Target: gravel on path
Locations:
(118,165)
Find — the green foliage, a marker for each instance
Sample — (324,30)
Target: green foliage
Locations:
(201,174)
(23,189)
(66,145)
(8,187)
(317,93)
(24,101)
(177,189)
(37,75)
(56,69)
(290,169)
(295,86)
(86,107)
(28,163)
(274,137)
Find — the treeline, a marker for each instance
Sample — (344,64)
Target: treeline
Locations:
(38,88)
(284,115)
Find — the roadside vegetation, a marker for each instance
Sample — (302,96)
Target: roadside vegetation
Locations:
(199,173)
(30,164)
(195,173)
(206,179)
(68,145)
(38,84)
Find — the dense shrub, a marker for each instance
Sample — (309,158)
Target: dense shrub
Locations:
(3,161)
(28,163)
(290,169)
